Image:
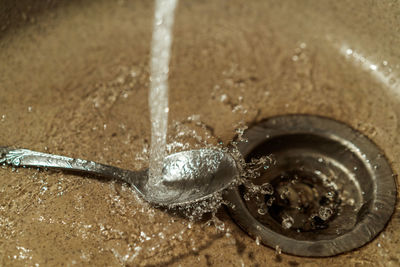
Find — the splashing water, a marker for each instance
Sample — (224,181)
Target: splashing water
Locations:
(158,97)
(158,102)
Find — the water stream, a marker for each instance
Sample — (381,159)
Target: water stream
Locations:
(158,97)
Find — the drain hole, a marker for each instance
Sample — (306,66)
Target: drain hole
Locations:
(333,189)
(314,187)
(302,202)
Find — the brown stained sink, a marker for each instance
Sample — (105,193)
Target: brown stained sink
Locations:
(74,81)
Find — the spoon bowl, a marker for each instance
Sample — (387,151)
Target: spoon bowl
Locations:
(191,176)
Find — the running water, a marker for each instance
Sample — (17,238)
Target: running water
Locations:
(158,97)
(158,102)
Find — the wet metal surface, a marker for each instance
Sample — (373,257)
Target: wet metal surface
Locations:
(334,189)
(187,176)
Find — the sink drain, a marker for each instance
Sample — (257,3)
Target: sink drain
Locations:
(333,188)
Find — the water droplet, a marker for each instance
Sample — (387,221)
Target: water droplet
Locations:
(278,250)
(287,221)
(223,98)
(351,201)
(266,189)
(270,201)
(325,213)
(16,162)
(262,210)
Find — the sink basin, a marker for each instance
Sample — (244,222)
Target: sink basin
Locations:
(74,80)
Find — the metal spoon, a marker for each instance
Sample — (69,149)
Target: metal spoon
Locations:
(187,176)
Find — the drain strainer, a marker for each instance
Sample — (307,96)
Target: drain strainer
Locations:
(333,188)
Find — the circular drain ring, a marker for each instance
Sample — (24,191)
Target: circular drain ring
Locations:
(380,206)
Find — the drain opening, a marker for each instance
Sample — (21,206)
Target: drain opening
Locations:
(333,188)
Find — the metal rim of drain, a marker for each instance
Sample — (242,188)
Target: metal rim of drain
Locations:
(325,154)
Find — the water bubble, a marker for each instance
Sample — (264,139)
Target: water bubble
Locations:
(219,225)
(349,51)
(43,189)
(351,201)
(325,213)
(270,201)
(278,250)
(223,98)
(16,162)
(287,221)
(266,189)
(284,193)
(317,172)
(262,210)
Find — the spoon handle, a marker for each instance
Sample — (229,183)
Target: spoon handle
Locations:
(29,158)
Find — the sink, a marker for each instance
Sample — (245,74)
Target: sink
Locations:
(74,80)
